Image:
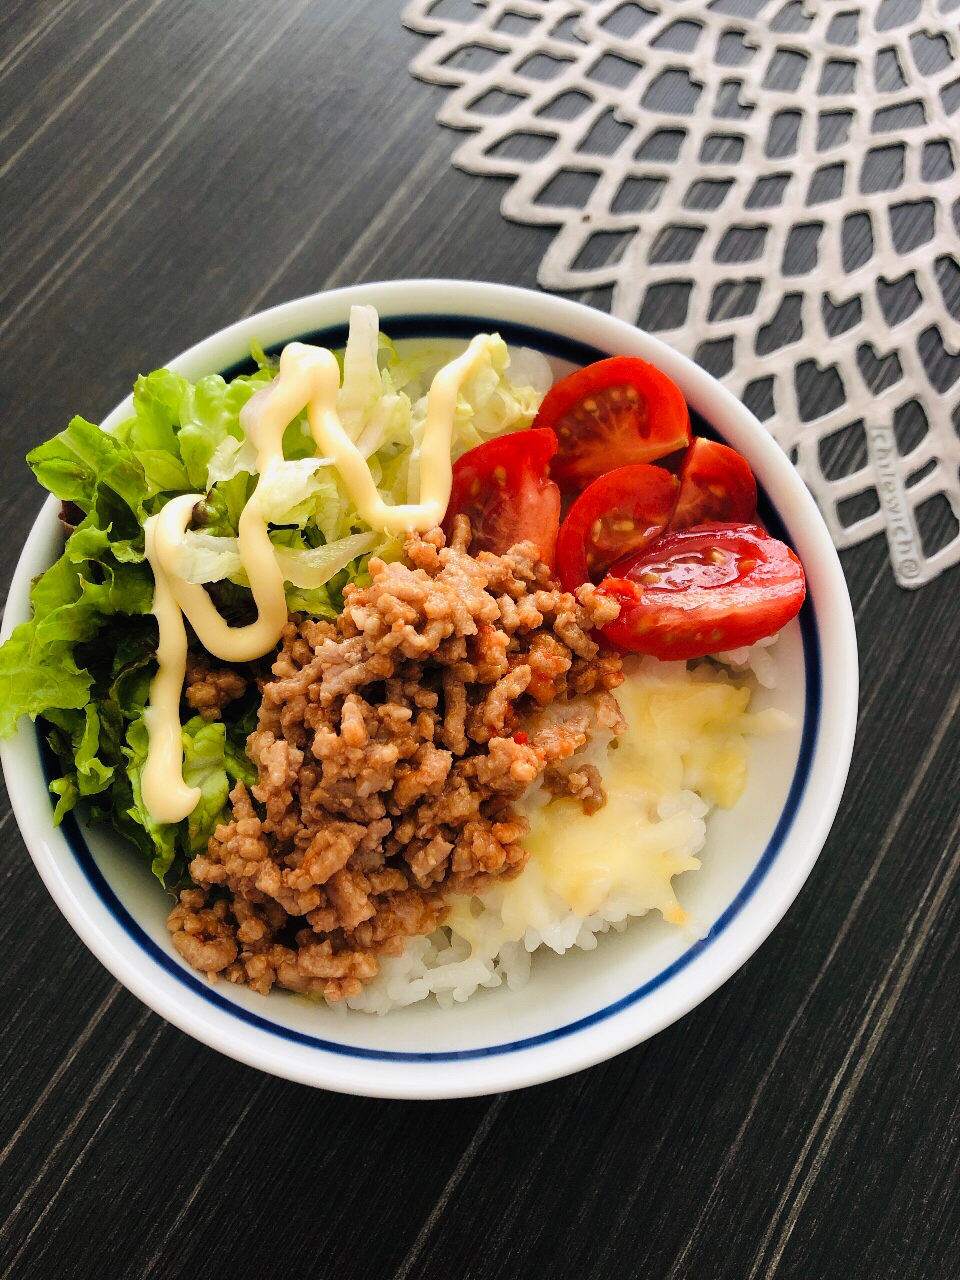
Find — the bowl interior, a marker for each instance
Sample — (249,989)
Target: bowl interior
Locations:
(564,993)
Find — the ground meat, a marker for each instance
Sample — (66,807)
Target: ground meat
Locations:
(208,689)
(583,783)
(389,751)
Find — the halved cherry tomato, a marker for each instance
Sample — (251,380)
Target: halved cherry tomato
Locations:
(503,486)
(716,483)
(614,413)
(704,590)
(616,516)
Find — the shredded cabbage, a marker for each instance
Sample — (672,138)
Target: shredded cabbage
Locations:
(361,387)
(310,567)
(229,458)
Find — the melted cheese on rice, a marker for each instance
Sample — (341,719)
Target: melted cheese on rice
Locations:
(686,734)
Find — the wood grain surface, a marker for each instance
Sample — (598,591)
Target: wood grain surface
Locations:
(164,169)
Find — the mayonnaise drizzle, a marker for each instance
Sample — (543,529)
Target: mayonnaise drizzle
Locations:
(308,377)
(436,467)
(165,795)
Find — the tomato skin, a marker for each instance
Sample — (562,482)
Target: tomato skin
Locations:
(704,590)
(716,483)
(614,413)
(503,485)
(619,514)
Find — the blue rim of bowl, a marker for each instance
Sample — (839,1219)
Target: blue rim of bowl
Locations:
(579,353)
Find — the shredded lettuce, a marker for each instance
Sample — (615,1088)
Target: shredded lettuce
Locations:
(361,388)
(86,466)
(230,458)
(210,763)
(71,602)
(85,659)
(160,838)
(206,558)
(311,567)
(286,489)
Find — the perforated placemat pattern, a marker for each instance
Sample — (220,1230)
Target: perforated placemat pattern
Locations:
(771,186)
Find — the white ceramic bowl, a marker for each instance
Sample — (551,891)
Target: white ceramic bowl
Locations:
(577,1009)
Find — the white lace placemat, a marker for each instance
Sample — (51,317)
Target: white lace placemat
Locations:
(773,186)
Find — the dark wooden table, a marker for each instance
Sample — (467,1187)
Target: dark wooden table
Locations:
(164,169)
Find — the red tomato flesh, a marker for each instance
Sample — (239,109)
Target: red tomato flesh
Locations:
(704,590)
(615,413)
(503,485)
(618,515)
(716,483)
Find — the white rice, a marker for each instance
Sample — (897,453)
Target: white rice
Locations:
(450,969)
(756,658)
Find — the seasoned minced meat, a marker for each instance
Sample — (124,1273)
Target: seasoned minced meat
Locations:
(389,751)
(583,782)
(208,689)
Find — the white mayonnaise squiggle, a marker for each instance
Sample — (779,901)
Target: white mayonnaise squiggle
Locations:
(309,377)
(164,793)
